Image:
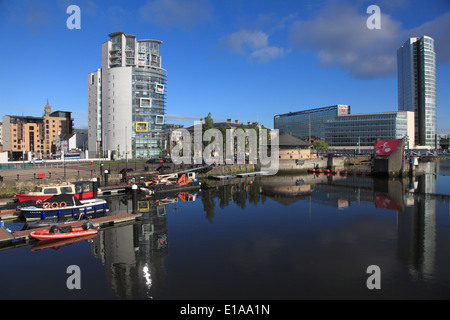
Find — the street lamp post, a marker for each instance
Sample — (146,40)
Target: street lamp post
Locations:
(64,162)
(126,152)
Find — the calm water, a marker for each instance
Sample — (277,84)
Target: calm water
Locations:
(283,237)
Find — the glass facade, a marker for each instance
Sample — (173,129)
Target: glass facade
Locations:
(366,129)
(416,69)
(148,112)
(304,124)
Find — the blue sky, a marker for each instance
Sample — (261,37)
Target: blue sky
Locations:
(240,59)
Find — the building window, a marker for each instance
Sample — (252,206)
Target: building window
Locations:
(145,102)
(141,126)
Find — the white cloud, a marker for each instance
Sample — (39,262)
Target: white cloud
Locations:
(339,36)
(267,54)
(184,14)
(242,40)
(255,44)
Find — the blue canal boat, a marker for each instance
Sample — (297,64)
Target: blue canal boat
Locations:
(62,206)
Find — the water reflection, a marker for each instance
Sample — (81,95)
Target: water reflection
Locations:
(135,255)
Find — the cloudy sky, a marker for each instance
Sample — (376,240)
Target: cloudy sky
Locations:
(240,59)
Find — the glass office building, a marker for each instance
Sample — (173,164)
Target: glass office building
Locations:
(366,129)
(308,123)
(416,70)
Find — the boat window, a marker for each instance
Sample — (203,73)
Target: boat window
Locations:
(51,191)
(38,189)
(65,190)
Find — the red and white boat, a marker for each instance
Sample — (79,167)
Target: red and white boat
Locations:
(80,189)
(65,232)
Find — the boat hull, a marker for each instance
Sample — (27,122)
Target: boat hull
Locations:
(35,213)
(159,188)
(76,232)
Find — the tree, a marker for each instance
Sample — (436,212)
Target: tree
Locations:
(209,124)
(321,145)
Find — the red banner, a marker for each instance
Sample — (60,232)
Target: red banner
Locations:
(386,147)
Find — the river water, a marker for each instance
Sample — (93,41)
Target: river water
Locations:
(280,237)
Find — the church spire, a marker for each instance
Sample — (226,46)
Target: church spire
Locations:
(47,109)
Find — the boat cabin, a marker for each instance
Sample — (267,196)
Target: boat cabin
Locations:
(54,189)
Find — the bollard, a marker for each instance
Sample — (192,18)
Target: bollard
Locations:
(106,178)
(134,190)
(94,187)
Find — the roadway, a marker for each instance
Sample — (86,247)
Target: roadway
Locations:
(58,170)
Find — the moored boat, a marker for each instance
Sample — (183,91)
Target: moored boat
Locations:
(80,189)
(64,232)
(63,206)
(173,182)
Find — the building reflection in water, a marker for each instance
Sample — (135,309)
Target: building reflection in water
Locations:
(417,225)
(134,254)
(413,199)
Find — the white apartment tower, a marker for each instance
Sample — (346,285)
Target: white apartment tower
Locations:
(95,113)
(416,69)
(127,99)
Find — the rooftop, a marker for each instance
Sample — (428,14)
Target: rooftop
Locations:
(287,140)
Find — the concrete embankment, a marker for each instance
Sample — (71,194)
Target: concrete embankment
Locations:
(303,165)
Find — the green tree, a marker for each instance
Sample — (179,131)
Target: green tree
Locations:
(208,124)
(321,145)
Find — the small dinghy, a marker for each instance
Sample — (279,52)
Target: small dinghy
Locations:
(64,232)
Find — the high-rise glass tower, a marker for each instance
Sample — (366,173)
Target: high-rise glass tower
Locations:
(416,69)
(127,99)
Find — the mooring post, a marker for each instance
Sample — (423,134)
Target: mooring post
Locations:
(106,178)
(94,187)
(134,190)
